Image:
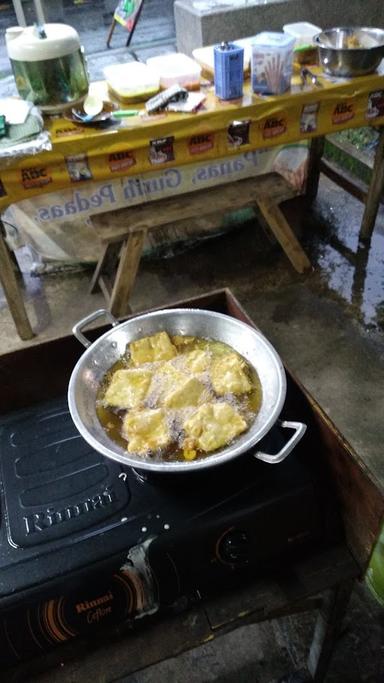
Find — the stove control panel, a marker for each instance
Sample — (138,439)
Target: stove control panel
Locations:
(233,547)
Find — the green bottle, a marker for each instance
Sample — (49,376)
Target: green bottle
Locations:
(374,577)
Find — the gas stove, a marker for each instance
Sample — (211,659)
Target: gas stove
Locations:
(86,542)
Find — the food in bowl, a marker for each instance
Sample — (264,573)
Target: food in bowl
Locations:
(178,398)
(350,51)
(352,42)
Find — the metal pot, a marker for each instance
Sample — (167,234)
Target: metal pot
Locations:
(338,59)
(247,341)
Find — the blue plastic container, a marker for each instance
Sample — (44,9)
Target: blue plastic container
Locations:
(228,71)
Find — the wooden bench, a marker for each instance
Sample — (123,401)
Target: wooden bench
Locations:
(122,232)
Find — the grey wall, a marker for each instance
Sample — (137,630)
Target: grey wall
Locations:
(196,28)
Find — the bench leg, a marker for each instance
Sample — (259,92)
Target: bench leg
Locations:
(327,629)
(375,191)
(106,267)
(12,291)
(126,273)
(284,235)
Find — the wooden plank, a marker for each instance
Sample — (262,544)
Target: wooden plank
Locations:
(126,273)
(270,597)
(284,235)
(12,291)
(360,496)
(327,629)
(107,263)
(343,180)
(375,191)
(106,286)
(118,652)
(114,225)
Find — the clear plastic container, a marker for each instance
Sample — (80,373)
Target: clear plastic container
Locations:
(305,51)
(132,81)
(176,69)
(302,32)
(271,65)
(205,56)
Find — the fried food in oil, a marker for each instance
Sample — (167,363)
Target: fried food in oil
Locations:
(213,425)
(178,398)
(228,376)
(189,392)
(151,349)
(128,388)
(146,430)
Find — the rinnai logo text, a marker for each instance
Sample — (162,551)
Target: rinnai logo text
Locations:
(274,126)
(91,604)
(40,521)
(343,112)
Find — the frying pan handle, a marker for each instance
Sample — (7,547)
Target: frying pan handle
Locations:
(299,428)
(77,329)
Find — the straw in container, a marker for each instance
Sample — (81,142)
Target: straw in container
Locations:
(271,65)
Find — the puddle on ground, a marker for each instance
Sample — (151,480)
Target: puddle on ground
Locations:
(351,269)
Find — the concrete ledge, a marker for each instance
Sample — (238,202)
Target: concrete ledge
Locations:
(198,24)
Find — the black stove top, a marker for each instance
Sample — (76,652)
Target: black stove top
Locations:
(72,519)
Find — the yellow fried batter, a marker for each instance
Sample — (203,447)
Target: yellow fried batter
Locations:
(195,362)
(213,425)
(151,349)
(128,388)
(189,392)
(228,376)
(181,341)
(165,378)
(146,430)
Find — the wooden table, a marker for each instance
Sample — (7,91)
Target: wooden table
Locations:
(321,580)
(139,145)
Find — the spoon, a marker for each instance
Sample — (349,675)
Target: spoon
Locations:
(92,106)
(306,73)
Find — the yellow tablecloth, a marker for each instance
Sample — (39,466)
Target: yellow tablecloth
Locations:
(145,143)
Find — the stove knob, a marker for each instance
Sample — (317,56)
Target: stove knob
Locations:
(233,547)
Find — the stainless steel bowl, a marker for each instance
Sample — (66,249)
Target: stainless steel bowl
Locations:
(103,353)
(339,57)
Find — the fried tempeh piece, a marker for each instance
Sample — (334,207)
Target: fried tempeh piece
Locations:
(146,430)
(228,376)
(213,425)
(128,388)
(194,362)
(189,392)
(152,349)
